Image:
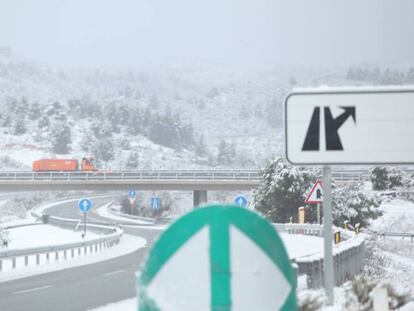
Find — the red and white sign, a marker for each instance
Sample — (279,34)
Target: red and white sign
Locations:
(316,194)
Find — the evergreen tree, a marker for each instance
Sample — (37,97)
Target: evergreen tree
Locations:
(54,109)
(351,203)
(200,146)
(61,138)
(133,160)
(386,179)
(226,153)
(6,120)
(103,149)
(44,122)
(35,111)
(112,116)
(282,190)
(101,129)
(19,127)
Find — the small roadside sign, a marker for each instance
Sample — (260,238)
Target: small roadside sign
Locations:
(132,195)
(204,262)
(85,205)
(155,202)
(315,196)
(241,201)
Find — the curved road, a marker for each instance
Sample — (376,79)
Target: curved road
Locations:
(80,288)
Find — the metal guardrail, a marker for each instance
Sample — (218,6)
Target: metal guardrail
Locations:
(142,175)
(112,238)
(348,256)
(87,246)
(383,235)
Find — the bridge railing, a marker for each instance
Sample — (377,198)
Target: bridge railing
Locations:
(134,175)
(222,174)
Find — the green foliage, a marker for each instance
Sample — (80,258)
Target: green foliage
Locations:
(352,203)
(19,127)
(61,138)
(383,178)
(132,161)
(103,149)
(282,190)
(226,153)
(361,289)
(309,302)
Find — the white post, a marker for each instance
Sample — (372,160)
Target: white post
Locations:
(327,229)
(379,296)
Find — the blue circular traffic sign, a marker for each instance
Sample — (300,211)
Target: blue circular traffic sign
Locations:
(85,205)
(132,194)
(241,201)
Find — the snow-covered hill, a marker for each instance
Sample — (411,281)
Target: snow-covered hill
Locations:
(207,106)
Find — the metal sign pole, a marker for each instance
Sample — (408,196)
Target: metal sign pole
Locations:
(84,224)
(318,213)
(327,229)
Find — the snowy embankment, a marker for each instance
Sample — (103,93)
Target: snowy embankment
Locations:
(44,235)
(49,236)
(392,258)
(106,212)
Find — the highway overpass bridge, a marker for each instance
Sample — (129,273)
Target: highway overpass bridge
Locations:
(198,181)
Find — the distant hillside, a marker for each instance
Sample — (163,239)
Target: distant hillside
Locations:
(158,117)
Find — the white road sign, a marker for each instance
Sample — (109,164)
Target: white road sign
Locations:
(350,126)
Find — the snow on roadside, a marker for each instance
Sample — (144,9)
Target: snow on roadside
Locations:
(124,305)
(127,245)
(44,235)
(391,259)
(103,211)
(398,216)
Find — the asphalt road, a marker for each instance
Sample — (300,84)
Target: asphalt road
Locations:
(80,288)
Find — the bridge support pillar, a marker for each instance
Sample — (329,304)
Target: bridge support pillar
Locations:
(199,197)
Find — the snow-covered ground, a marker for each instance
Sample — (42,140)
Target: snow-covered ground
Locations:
(392,259)
(127,245)
(104,211)
(389,260)
(398,216)
(44,235)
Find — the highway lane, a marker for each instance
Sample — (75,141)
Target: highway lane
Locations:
(79,288)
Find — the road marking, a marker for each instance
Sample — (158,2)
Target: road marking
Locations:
(31,290)
(114,272)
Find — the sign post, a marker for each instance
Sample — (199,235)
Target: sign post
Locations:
(204,262)
(327,229)
(85,205)
(132,195)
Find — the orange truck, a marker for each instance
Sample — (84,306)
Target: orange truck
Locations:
(64,165)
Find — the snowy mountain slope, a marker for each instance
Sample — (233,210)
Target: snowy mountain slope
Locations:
(243,107)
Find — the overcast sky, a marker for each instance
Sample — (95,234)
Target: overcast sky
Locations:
(134,32)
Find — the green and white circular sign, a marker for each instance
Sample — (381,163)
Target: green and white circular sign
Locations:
(218,258)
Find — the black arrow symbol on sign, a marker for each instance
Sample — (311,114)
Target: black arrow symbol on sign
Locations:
(333,141)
